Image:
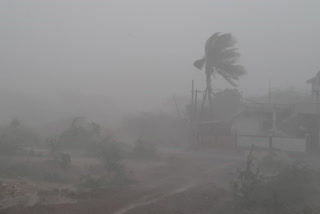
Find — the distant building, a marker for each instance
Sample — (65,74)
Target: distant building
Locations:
(260,119)
(290,125)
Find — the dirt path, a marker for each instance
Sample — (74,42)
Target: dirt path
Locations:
(146,200)
(196,173)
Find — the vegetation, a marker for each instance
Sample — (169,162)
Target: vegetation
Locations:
(113,174)
(80,135)
(52,165)
(16,137)
(220,59)
(291,189)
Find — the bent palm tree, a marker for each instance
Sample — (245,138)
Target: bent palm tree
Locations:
(220,58)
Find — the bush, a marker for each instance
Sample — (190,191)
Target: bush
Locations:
(60,158)
(110,152)
(114,175)
(292,189)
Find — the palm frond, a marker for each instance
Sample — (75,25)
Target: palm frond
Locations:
(221,43)
(226,56)
(235,71)
(221,57)
(199,63)
(227,77)
(210,42)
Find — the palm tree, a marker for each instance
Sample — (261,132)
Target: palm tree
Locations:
(220,58)
(315,84)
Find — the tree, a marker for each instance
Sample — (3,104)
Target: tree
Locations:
(220,58)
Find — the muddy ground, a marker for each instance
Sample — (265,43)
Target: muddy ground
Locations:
(179,182)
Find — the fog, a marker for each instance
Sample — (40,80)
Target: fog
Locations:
(136,54)
(159,106)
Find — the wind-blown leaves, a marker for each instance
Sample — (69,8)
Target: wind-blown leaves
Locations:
(199,63)
(227,77)
(221,57)
(212,39)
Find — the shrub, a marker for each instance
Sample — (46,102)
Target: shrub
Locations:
(291,189)
(60,158)
(114,175)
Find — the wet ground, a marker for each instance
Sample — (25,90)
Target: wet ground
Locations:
(182,182)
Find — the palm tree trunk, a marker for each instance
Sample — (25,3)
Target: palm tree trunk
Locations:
(209,88)
(202,105)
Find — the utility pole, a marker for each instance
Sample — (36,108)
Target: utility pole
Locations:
(192,94)
(203,103)
(269,91)
(317,102)
(273,117)
(195,104)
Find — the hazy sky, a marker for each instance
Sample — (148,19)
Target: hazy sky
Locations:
(133,50)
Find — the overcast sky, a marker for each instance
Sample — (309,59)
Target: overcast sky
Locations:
(140,49)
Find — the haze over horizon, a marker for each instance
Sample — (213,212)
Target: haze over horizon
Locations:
(137,54)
